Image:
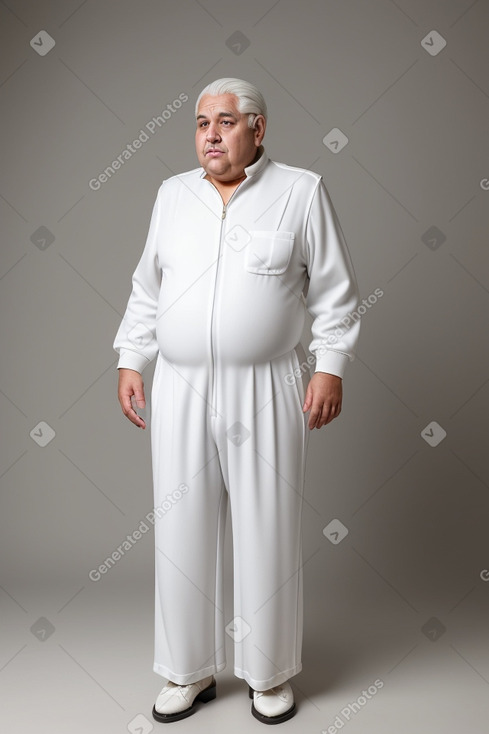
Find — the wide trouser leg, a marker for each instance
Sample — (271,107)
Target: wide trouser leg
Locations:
(262,438)
(190,514)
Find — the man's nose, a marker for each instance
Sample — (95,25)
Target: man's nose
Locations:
(212,133)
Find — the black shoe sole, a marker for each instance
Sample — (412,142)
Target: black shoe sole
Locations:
(208,694)
(271,719)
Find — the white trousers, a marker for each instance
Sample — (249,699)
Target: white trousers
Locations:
(238,434)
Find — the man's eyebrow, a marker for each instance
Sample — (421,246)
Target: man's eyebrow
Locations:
(221,114)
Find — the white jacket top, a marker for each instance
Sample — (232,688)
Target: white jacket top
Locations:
(229,284)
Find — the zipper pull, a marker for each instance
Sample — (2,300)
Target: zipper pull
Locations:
(223,215)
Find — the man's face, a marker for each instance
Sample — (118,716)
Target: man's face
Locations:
(225,144)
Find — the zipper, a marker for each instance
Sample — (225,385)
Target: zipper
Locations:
(213,411)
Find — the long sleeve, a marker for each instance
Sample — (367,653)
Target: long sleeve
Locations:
(332,292)
(136,338)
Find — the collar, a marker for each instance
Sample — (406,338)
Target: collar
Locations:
(259,165)
(254,168)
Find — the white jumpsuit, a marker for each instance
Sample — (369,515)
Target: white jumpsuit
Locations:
(219,297)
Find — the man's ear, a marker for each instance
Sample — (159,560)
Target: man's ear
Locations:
(259,127)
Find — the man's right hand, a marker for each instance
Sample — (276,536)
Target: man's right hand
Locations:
(131,383)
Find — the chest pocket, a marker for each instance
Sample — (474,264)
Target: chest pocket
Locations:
(269,252)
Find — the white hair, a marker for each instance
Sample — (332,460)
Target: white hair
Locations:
(250,99)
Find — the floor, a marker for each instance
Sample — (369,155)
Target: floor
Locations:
(82,662)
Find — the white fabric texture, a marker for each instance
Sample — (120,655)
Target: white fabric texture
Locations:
(219,298)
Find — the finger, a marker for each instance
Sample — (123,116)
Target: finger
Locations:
(140,422)
(127,409)
(324,415)
(137,406)
(136,419)
(307,401)
(139,397)
(125,401)
(333,412)
(314,416)
(327,415)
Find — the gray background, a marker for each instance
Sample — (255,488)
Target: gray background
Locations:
(403,597)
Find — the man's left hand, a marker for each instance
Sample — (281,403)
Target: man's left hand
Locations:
(323,397)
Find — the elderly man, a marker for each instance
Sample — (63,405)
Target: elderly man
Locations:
(236,250)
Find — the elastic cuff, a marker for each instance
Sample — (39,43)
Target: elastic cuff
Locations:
(132,360)
(332,362)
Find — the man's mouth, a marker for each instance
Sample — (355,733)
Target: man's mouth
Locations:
(214,152)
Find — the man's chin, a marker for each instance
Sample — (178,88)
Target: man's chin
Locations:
(216,171)
(214,164)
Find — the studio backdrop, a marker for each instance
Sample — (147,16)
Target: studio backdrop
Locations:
(389,102)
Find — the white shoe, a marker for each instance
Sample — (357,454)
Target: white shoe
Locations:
(273,706)
(176,702)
